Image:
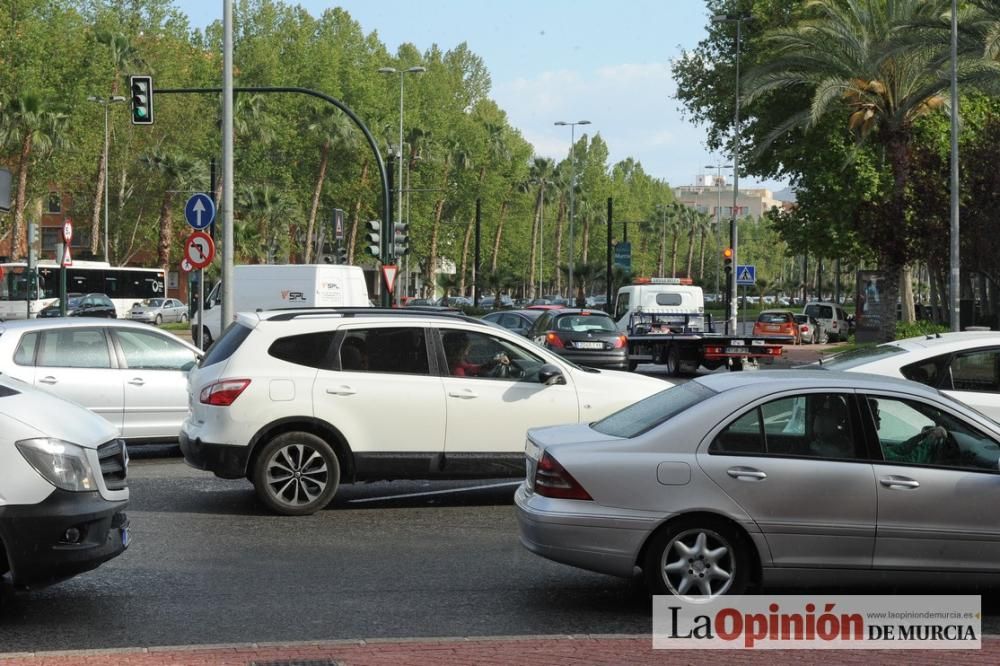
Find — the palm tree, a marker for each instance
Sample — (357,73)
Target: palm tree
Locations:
(675,225)
(854,59)
(448,282)
(497,282)
(272,213)
(178,173)
(35,128)
(333,129)
(584,275)
(455,158)
(124,57)
(540,177)
(249,116)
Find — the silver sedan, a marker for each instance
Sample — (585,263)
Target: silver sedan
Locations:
(159,311)
(779,477)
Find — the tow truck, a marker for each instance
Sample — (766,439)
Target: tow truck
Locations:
(665,322)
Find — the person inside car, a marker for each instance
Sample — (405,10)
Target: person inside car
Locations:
(456,350)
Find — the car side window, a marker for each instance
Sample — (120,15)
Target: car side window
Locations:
(478,355)
(149,351)
(910,432)
(400,350)
(977,371)
(929,372)
(309,349)
(621,307)
(25,353)
(744,435)
(74,348)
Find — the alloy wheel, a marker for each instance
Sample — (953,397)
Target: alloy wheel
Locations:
(698,563)
(296,475)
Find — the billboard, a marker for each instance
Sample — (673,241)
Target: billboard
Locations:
(868,302)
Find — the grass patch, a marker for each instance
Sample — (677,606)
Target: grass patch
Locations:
(176,326)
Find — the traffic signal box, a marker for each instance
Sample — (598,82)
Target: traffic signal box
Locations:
(141,88)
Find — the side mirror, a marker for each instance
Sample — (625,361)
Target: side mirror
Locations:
(550,375)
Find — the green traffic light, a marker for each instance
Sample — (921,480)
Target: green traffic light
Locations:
(140,113)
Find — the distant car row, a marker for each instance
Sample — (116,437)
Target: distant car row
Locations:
(505,302)
(153,310)
(818,323)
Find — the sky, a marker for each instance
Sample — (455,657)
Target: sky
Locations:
(561,60)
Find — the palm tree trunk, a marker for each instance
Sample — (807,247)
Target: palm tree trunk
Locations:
(586,239)
(496,240)
(17,237)
(690,261)
(95,220)
(465,255)
(432,253)
(166,231)
(324,156)
(701,252)
(673,255)
(559,237)
(899,154)
(534,245)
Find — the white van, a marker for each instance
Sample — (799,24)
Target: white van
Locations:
(660,296)
(273,286)
(832,320)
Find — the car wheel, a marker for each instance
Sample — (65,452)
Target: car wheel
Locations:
(632,365)
(206,337)
(184,318)
(673,361)
(823,338)
(296,474)
(158,320)
(698,557)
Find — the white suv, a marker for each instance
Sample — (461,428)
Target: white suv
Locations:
(299,401)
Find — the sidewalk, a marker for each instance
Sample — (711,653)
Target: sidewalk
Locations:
(527,650)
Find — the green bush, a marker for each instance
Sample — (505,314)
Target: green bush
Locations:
(921,327)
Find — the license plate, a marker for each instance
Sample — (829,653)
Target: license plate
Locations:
(737,350)
(772,327)
(589,345)
(126,537)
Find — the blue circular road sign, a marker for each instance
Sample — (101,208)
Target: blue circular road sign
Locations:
(199,210)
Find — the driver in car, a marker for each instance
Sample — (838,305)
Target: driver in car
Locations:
(457,347)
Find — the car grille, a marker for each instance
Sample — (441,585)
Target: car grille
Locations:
(113,457)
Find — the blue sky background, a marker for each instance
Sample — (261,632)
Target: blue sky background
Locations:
(607,62)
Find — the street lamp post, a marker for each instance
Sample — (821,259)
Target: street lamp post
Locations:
(738,19)
(572,186)
(718,222)
(399,187)
(106,102)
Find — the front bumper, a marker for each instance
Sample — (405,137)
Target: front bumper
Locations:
(572,532)
(33,536)
(143,317)
(225,461)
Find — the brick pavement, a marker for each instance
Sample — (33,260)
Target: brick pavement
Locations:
(522,650)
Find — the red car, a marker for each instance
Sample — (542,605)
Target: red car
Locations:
(777,322)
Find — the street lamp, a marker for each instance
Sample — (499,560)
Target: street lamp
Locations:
(399,187)
(718,221)
(572,186)
(738,19)
(106,102)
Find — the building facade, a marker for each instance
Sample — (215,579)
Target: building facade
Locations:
(711,194)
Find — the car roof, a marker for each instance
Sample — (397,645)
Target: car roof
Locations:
(782,380)
(944,342)
(776,312)
(587,311)
(408,314)
(81,322)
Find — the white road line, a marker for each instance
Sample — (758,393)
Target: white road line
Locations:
(436,492)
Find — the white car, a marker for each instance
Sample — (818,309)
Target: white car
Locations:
(831,317)
(964,365)
(300,401)
(133,375)
(63,491)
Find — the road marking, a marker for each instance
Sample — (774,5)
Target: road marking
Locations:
(437,492)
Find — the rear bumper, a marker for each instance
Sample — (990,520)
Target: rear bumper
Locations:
(571,532)
(225,461)
(34,536)
(612,360)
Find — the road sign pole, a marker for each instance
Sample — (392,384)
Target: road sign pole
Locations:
(201,309)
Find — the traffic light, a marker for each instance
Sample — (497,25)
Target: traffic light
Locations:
(727,260)
(400,239)
(374,236)
(141,88)
(341,255)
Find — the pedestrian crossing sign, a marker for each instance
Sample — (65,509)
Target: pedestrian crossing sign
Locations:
(746,275)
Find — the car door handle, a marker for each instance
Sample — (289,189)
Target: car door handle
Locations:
(137,381)
(898,482)
(341,390)
(746,473)
(466,394)
(48,380)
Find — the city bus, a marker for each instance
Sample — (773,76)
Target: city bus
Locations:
(124,285)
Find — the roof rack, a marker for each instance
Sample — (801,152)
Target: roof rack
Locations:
(288,314)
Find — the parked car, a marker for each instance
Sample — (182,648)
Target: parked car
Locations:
(62,487)
(454,302)
(964,365)
(300,401)
(83,305)
(782,477)
(159,311)
(831,317)
(414,302)
(777,322)
(490,303)
(519,321)
(586,337)
(132,375)
(809,330)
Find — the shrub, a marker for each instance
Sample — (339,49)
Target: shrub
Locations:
(916,328)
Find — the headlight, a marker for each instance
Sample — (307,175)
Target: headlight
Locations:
(62,464)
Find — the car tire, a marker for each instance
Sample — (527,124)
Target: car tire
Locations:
(673,361)
(296,474)
(698,539)
(184,318)
(632,365)
(158,320)
(206,337)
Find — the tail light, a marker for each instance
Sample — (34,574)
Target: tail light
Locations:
(620,342)
(554,340)
(552,480)
(224,393)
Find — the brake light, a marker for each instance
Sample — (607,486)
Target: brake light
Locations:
(552,480)
(224,393)
(554,340)
(620,341)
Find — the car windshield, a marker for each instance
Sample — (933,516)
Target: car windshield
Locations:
(154,302)
(854,358)
(652,411)
(584,323)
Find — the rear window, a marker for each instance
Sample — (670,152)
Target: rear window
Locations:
(774,318)
(310,349)
(582,323)
(668,299)
(819,311)
(225,346)
(652,411)
(857,357)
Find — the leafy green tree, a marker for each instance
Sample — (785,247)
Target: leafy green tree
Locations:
(177,173)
